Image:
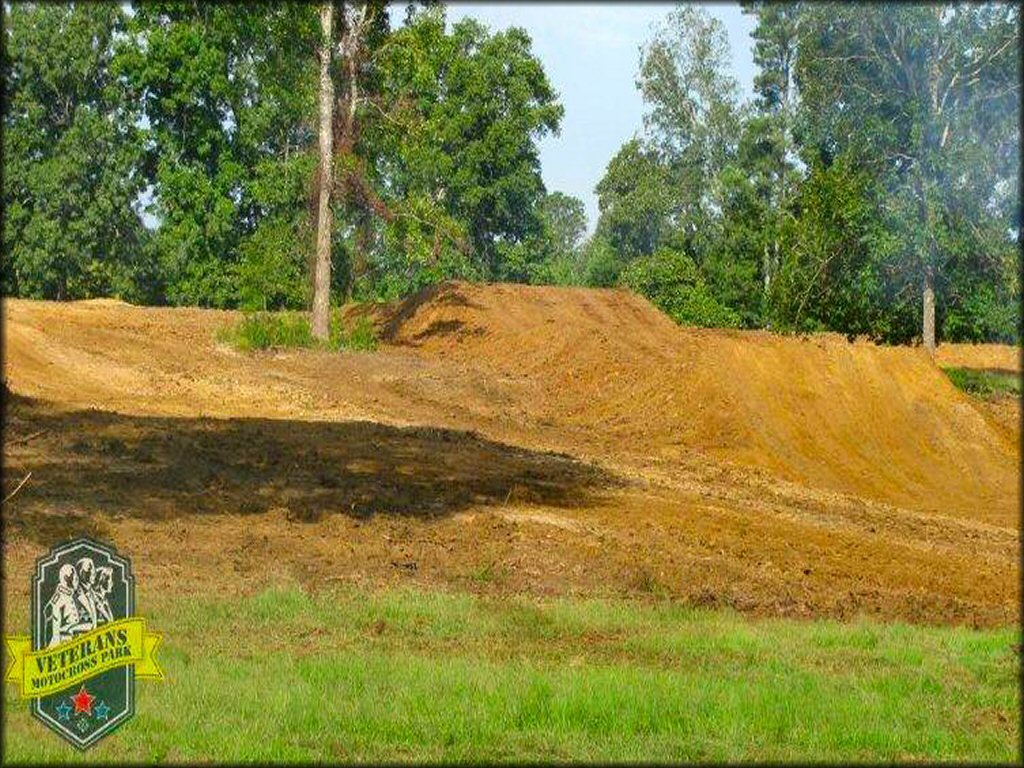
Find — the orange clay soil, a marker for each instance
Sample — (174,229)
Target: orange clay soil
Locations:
(514,439)
(993,357)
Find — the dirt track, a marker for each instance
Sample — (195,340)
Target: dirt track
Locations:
(516,439)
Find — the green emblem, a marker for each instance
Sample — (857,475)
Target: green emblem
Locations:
(87,646)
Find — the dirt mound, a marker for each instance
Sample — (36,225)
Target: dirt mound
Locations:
(993,357)
(882,422)
(515,439)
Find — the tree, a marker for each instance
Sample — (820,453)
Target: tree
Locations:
(229,104)
(672,187)
(457,162)
(769,146)
(72,158)
(693,118)
(565,223)
(325,177)
(636,199)
(927,98)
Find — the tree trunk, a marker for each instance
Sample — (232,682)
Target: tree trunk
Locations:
(928,311)
(322,271)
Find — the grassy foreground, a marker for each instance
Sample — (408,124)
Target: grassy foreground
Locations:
(423,675)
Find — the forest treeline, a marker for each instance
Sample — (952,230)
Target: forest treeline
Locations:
(169,153)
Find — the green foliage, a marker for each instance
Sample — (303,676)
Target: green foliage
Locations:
(905,127)
(266,330)
(834,274)
(272,271)
(71,158)
(258,331)
(360,337)
(458,157)
(674,284)
(601,264)
(635,198)
(925,100)
(984,383)
(227,94)
(881,149)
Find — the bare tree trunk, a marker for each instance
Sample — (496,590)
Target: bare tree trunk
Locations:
(928,311)
(322,271)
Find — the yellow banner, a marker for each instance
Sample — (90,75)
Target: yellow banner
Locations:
(49,670)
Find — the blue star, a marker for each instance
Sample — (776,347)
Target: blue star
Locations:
(64,710)
(102,711)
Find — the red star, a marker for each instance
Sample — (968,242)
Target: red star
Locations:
(83,701)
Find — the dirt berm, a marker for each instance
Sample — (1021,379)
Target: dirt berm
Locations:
(882,422)
(515,439)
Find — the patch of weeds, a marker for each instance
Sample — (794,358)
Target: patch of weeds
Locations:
(488,574)
(360,336)
(264,330)
(986,383)
(645,582)
(270,330)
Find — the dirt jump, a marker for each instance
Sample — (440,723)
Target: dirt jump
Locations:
(519,439)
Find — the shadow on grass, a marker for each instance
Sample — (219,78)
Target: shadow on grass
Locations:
(164,468)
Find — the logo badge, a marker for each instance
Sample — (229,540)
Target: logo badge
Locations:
(87,645)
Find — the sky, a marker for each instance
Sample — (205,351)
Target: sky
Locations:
(590,53)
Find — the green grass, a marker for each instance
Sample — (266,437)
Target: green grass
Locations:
(433,676)
(984,383)
(272,330)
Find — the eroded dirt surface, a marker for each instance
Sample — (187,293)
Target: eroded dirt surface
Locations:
(993,357)
(513,439)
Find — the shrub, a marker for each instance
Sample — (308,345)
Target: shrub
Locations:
(674,284)
(361,337)
(263,330)
(267,330)
(272,269)
(601,264)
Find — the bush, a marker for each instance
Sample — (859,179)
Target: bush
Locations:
(674,284)
(601,264)
(263,330)
(268,330)
(362,337)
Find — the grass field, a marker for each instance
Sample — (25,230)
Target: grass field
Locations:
(426,675)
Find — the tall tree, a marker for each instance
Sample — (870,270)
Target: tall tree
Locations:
(692,116)
(72,157)
(671,187)
(928,97)
(321,320)
(458,164)
(771,147)
(229,113)
(636,200)
(362,31)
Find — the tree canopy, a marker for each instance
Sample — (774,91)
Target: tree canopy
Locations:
(870,186)
(168,153)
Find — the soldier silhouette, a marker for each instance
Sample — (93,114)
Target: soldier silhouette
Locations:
(84,597)
(102,587)
(62,614)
